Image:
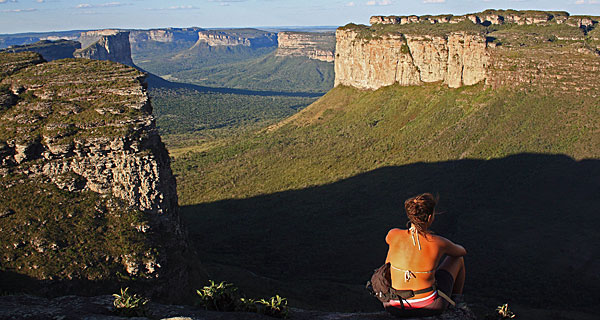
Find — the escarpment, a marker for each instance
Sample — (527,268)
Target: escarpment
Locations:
(78,141)
(110,45)
(457,59)
(495,17)
(237,37)
(317,46)
(495,49)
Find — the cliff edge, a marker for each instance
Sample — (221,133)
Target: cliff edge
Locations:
(99,204)
(108,44)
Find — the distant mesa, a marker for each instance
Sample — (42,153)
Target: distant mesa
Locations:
(108,44)
(495,17)
(461,50)
(49,49)
(237,37)
(314,45)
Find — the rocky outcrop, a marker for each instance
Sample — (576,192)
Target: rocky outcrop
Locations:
(50,50)
(317,46)
(370,63)
(496,17)
(242,37)
(76,132)
(109,44)
(164,35)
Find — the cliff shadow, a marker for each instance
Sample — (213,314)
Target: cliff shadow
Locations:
(528,221)
(155,81)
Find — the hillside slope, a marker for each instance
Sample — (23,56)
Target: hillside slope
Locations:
(514,160)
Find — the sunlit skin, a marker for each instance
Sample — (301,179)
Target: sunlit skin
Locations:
(403,254)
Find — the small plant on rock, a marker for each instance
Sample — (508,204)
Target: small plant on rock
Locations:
(274,307)
(219,297)
(504,312)
(129,305)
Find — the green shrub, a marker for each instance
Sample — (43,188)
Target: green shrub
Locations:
(226,297)
(129,305)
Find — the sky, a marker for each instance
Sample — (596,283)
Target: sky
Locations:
(59,15)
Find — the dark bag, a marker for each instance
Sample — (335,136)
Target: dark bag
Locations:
(380,286)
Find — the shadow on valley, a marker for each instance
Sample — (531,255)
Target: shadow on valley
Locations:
(529,222)
(155,81)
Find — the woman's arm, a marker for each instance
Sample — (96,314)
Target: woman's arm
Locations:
(452,249)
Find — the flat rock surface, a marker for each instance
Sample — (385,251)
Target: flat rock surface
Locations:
(101,307)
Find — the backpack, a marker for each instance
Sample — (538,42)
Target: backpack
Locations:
(380,283)
(380,286)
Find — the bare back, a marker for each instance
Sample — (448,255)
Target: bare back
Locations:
(404,255)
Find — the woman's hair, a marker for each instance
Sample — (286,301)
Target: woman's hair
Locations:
(419,209)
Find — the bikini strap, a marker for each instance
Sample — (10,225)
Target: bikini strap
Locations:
(415,234)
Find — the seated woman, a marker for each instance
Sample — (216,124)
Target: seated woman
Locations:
(415,255)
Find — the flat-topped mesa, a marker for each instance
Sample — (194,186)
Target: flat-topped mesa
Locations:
(106,44)
(242,37)
(79,134)
(317,46)
(495,17)
(164,35)
(370,63)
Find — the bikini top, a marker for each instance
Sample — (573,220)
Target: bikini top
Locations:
(408,274)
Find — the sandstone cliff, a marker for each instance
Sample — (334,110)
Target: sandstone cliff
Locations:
(463,50)
(317,46)
(495,17)
(77,136)
(164,35)
(370,63)
(110,45)
(237,37)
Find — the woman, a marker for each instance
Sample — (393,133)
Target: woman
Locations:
(415,255)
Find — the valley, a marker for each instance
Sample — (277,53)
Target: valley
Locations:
(293,152)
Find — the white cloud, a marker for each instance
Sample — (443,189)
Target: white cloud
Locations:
(379,3)
(4,1)
(588,1)
(19,10)
(434,1)
(101,5)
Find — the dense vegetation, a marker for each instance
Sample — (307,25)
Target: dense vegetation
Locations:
(270,72)
(188,112)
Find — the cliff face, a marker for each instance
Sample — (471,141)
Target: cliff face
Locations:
(110,45)
(495,17)
(164,35)
(247,38)
(317,46)
(370,63)
(79,135)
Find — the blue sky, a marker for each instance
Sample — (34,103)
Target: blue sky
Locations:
(56,15)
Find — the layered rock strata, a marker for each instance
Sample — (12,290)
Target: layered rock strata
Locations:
(110,45)
(317,46)
(254,38)
(164,35)
(370,63)
(77,132)
(495,17)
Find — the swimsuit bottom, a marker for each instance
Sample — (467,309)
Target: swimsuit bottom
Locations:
(433,304)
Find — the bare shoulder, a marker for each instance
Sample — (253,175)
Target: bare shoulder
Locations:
(392,234)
